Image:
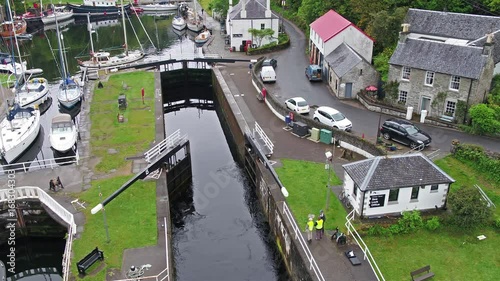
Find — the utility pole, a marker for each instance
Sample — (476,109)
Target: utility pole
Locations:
(329,163)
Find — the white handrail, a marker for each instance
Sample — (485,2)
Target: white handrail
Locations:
(362,245)
(298,235)
(41,164)
(66,262)
(169,142)
(264,137)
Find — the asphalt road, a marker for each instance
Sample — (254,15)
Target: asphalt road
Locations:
(291,82)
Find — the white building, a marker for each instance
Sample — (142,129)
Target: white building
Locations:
(387,185)
(248,14)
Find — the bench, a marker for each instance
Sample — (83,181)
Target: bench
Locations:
(447,118)
(89,260)
(416,275)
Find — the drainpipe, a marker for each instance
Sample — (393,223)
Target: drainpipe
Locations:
(467,104)
(362,205)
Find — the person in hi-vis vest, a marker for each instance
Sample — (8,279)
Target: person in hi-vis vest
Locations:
(310,228)
(319,228)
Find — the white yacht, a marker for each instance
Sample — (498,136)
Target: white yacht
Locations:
(63,133)
(18,130)
(178,23)
(202,38)
(70,93)
(33,92)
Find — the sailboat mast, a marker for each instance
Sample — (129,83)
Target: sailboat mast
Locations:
(15,39)
(89,27)
(61,57)
(124,29)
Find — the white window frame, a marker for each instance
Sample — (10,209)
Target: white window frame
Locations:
(454,108)
(454,81)
(427,74)
(405,99)
(406,70)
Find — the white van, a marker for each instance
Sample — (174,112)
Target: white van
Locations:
(267,74)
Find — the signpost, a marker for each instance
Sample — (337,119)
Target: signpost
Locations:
(377,200)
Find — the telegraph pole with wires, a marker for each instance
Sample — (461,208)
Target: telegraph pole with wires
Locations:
(104,216)
(328,166)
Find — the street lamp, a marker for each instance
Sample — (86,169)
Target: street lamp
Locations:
(329,159)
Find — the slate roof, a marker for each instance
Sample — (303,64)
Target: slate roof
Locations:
(397,171)
(463,61)
(452,25)
(342,59)
(256,9)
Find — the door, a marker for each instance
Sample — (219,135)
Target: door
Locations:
(348,90)
(425,105)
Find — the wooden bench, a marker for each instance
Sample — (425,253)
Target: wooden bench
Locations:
(416,275)
(447,118)
(89,260)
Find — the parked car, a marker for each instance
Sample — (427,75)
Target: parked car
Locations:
(298,105)
(405,132)
(270,62)
(267,74)
(313,72)
(332,117)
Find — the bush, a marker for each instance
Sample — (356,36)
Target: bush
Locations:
(378,230)
(395,229)
(497,223)
(410,222)
(481,161)
(469,210)
(484,120)
(432,224)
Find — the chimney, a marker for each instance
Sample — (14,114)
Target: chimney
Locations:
(403,35)
(268,9)
(243,10)
(488,46)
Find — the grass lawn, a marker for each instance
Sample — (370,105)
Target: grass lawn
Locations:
(452,255)
(134,135)
(131,217)
(7,80)
(131,220)
(306,184)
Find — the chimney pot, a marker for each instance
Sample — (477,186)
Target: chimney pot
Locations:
(489,38)
(406,27)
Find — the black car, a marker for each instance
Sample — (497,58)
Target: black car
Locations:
(405,132)
(270,62)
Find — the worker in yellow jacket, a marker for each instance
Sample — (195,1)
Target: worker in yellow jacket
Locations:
(309,229)
(319,228)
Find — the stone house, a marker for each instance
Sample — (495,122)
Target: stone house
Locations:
(344,52)
(248,14)
(443,59)
(386,185)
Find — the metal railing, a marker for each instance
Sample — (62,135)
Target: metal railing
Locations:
(35,192)
(489,203)
(66,261)
(298,236)
(264,137)
(168,143)
(41,164)
(362,245)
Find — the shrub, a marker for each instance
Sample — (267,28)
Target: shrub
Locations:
(395,229)
(484,120)
(410,222)
(432,224)
(481,162)
(497,222)
(378,230)
(469,210)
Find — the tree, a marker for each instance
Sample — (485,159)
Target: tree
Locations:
(310,10)
(384,27)
(259,34)
(468,208)
(484,119)
(381,62)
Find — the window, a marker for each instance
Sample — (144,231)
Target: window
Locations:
(262,26)
(414,192)
(434,187)
(403,95)
(355,191)
(455,83)
(450,108)
(405,75)
(360,72)
(393,195)
(429,78)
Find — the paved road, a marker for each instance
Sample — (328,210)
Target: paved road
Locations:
(292,82)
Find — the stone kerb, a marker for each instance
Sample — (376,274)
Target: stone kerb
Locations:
(278,108)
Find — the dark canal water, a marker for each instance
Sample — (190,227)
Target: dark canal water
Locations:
(220,232)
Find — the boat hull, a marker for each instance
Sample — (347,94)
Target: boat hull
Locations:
(63,142)
(31,95)
(62,16)
(11,154)
(20,28)
(83,10)
(179,24)
(112,62)
(158,7)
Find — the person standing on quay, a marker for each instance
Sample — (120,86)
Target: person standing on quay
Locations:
(310,228)
(319,228)
(323,217)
